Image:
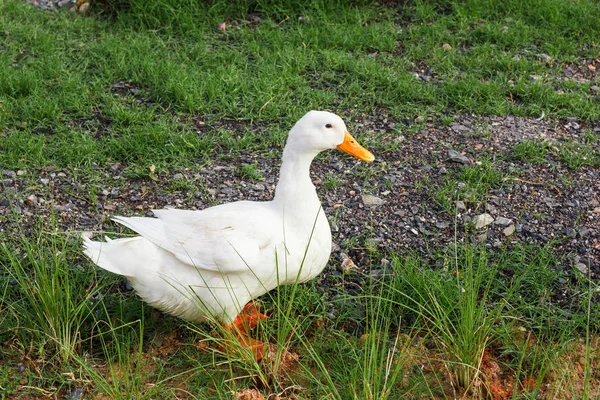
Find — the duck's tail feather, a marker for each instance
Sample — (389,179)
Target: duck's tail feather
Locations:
(118,255)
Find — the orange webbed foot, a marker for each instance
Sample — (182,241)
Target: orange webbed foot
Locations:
(247,319)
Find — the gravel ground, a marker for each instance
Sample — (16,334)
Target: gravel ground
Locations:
(374,209)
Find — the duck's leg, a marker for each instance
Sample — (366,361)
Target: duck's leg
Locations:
(249,316)
(247,319)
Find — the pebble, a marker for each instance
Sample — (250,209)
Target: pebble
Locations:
(347,265)
(582,268)
(9,173)
(503,221)
(459,128)
(338,166)
(443,171)
(481,238)
(483,220)
(460,205)
(509,230)
(76,394)
(227,191)
(31,200)
(455,156)
(551,202)
(545,57)
(259,187)
(178,176)
(370,200)
(583,232)
(334,226)
(45,181)
(377,273)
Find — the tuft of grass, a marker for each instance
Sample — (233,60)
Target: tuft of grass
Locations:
(250,172)
(52,294)
(532,151)
(456,308)
(581,154)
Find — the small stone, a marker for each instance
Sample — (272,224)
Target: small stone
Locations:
(347,265)
(211,191)
(20,172)
(334,226)
(45,181)
(9,173)
(582,268)
(115,168)
(545,57)
(481,238)
(370,200)
(31,200)
(583,232)
(443,171)
(483,220)
(456,127)
(551,202)
(227,191)
(442,224)
(83,8)
(259,187)
(503,221)
(460,205)
(509,230)
(446,47)
(455,156)
(75,394)
(377,273)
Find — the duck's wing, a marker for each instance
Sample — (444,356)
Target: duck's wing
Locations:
(226,238)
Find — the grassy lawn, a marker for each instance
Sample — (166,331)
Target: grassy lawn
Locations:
(154,88)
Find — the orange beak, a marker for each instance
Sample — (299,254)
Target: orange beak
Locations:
(351,146)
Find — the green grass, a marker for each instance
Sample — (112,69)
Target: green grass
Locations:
(63,102)
(156,88)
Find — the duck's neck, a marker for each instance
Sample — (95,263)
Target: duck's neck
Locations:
(295,187)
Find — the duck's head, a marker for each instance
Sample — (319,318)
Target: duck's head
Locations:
(321,130)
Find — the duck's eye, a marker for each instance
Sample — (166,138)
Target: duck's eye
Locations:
(328,126)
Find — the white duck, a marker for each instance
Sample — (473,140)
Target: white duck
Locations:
(209,264)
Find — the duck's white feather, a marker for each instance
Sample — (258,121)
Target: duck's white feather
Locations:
(210,263)
(193,236)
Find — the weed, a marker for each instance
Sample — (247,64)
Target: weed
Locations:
(530,151)
(249,171)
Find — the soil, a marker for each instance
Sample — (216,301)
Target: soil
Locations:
(393,205)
